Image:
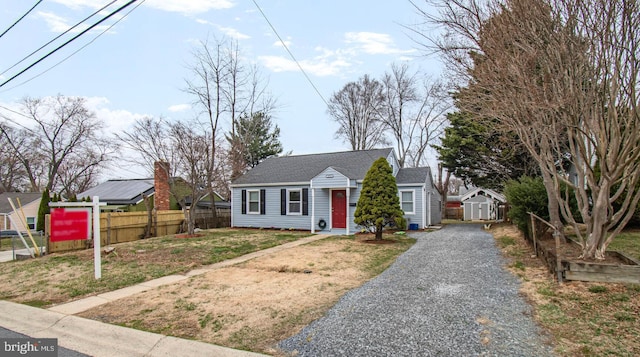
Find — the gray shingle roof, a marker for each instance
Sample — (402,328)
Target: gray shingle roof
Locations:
(122,192)
(302,168)
(25,198)
(412,175)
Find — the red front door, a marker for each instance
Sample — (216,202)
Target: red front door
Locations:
(339,209)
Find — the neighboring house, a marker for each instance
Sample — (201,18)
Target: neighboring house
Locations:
(127,195)
(30,203)
(319,192)
(482,204)
(122,195)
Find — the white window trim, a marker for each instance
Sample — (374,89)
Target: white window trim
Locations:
(249,202)
(413,201)
(289,213)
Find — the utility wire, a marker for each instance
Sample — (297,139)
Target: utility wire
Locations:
(21,17)
(76,51)
(290,53)
(57,37)
(69,41)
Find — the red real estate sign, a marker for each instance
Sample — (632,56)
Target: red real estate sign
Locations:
(70,224)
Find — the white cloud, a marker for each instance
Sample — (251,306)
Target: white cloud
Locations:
(179,108)
(117,120)
(78,4)
(228,31)
(374,43)
(191,7)
(233,33)
(60,24)
(287,42)
(319,66)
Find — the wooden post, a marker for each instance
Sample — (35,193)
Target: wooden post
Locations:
(556,235)
(533,234)
(108,228)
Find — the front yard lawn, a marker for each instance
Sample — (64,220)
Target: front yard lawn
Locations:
(62,277)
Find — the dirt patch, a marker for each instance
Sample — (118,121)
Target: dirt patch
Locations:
(255,304)
(585,319)
(378,241)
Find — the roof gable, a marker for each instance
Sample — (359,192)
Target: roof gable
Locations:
(25,199)
(415,175)
(303,168)
(484,192)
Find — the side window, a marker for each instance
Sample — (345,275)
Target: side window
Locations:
(31,223)
(406,201)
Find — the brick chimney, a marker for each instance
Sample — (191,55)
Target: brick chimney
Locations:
(161,183)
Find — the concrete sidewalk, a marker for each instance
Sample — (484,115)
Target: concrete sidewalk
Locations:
(103,340)
(100,339)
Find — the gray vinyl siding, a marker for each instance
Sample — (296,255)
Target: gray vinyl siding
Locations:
(322,211)
(435,210)
(351,208)
(395,166)
(272,217)
(330,178)
(418,205)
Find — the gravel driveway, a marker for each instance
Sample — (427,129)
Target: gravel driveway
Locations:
(446,296)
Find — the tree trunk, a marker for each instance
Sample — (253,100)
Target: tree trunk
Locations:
(379,232)
(594,247)
(553,204)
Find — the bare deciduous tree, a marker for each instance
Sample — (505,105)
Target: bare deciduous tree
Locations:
(414,115)
(358,108)
(60,133)
(563,75)
(13,177)
(196,156)
(149,139)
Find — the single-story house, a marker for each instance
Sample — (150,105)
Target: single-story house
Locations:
(122,195)
(127,195)
(482,204)
(319,192)
(30,203)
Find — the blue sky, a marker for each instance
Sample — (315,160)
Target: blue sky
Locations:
(138,67)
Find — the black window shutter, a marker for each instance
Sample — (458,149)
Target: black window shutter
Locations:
(244,201)
(283,202)
(305,201)
(263,202)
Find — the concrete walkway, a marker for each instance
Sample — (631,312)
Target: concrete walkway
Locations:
(100,339)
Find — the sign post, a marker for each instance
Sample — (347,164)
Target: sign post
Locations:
(73,224)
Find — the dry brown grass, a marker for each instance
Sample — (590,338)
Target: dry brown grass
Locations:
(255,304)
(585,319)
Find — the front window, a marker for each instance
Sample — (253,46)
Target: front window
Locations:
(295,201)
(254,202)
(31,223)
(406,201)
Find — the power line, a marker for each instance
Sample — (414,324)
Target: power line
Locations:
(290,53)
(69,41)
(21,17)
(57,37)
(76,51)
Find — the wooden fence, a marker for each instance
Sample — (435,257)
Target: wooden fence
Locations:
(454,213)
(205,220)
(119,227)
